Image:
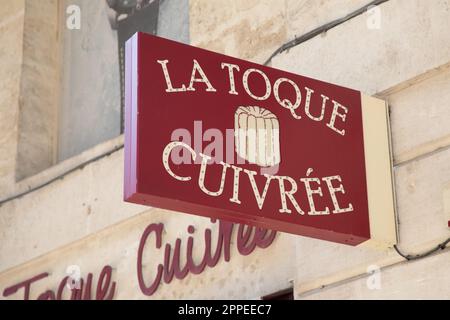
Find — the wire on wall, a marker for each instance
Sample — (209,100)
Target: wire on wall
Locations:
(324,28)
(61,176)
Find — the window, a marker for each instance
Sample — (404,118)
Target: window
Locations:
(89,112)
(71,81)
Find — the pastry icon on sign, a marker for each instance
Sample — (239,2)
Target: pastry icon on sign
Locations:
(257,136)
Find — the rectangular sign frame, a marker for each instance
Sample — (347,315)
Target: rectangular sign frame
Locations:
(145,55)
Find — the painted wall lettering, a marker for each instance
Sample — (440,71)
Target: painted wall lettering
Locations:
(279,149)
(104,287)
(247,240)
(104,290)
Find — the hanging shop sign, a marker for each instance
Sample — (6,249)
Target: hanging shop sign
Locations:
(216,136)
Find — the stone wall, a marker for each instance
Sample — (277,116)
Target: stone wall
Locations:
(11,36)
(40,88)
(83,220)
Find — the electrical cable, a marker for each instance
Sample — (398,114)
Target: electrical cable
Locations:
(324,28)
(409,257)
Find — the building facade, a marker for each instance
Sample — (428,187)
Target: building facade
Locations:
(65,231)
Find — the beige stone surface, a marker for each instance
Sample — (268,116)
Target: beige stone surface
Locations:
(89,112)
(11,29)
(83,220)
(421,279)
(413,81)
(69,209)
(375,60)
(420,117)
(103,180)
(40,87)
(422,225)
(244,29)
(243,277)
(305,15)
(62,168)
(10,9)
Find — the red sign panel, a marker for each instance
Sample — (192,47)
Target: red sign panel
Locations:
(216,136)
